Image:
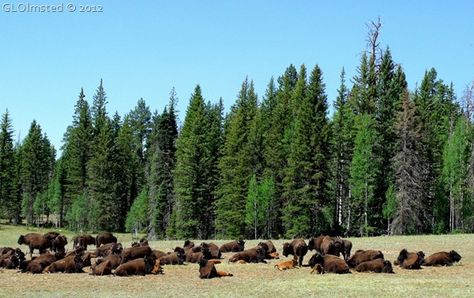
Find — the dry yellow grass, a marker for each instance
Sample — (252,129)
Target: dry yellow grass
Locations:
(260,280)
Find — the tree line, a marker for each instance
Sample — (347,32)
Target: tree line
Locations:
(388,160)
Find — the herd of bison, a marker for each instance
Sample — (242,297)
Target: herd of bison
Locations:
(109,257)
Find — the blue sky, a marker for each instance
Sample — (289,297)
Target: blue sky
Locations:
(144,48)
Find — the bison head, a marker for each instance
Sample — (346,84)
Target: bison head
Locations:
(241,244)
(78,263)
(150,262)
(312,244)
(260,253)
(455,257)
(387,267)
(180,253)
(188,244)
(287,249)
(402,256)
(317,258)
(21,240)
(19,254)
(206,253)
(264,246)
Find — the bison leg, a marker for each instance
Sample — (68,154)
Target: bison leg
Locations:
(222,274)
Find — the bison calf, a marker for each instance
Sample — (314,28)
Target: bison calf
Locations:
(291,264)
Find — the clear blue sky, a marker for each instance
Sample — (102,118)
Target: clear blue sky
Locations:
(144,48)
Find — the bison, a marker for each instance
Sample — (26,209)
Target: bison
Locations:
(297,248)
(214,249)
(329,263)
(136,252)
(105,238)
(104,268)
(51,235)
(114,259)
(207,269)
(233,246)
(176,258)
(285,265)
(107,249)
(252,255)
(442,259)
(59,243)
(37,264)
(361,256)
(377,266)
(137,266)
(72,264)
(35,241)
(195,257)
(410,260)
(83,241)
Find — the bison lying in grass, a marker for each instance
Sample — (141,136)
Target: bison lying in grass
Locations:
(410,260)
(207,269)
(328,263)
(442,259)
(377,266)
(147,265)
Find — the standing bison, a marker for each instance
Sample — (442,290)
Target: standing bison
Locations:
(105,238)
(297,248)
(35,241)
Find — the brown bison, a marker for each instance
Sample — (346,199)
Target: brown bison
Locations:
(51,235)
(329,263)
(176,258)
(12,258)
(137,266)
(410,260)
(158,253)
(270,250)
(83,241)
(35,241)
(59,243)
(328,246)
(37,264)
(252,255)
(214,249)
(442,259)
(285,265)
(233,246)
(315,243)
(72,264)
(188,244)
(377,266)
(114,259)
(107,249)
(207,269)
(361,256)
(297,248)
(105,238)
(104,268)
(195,257)
(136,252)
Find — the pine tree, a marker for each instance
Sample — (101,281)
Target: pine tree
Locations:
(276,148)
(410,173)
(307,173)
(363,173)
(343,133)
(236,165)
(36,168)
(160,180)
(192,160)
(8,199)
(77,152)
(101,197)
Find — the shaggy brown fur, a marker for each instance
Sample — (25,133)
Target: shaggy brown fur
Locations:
(297,248)
(132,253)
(377,266)
(442,259)
(35,241)
(361,256)
(410,260)
(252,255)
(233,246)
(105,238)
(329,263)
(208,270)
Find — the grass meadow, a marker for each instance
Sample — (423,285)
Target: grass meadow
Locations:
(258,280)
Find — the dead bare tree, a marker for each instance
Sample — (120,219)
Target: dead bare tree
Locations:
(373,42)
